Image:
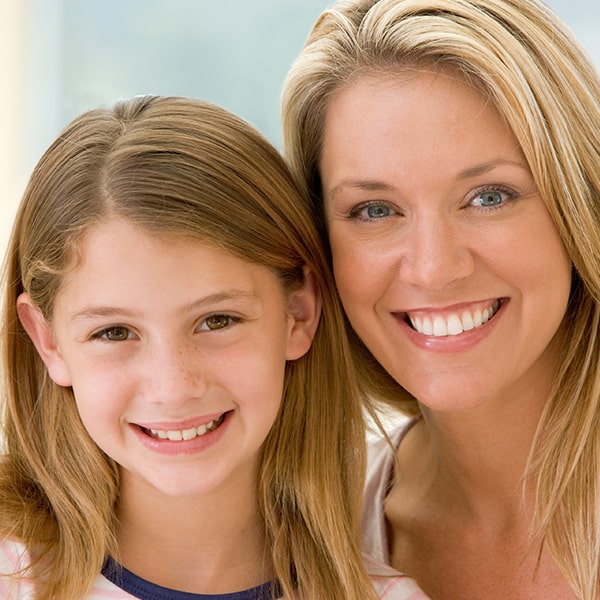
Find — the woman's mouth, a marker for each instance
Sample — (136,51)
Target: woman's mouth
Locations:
(454,322)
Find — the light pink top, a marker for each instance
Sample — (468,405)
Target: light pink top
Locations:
(380,472)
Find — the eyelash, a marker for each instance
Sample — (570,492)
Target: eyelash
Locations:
(103,333)
(355,212)
(504,191)
(231,320)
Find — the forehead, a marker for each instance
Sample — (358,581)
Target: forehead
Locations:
(400,122)
(379,95)
(120,262)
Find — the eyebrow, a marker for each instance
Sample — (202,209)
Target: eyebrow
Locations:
(490,166)
(94,312)
(374,185)
(367,185)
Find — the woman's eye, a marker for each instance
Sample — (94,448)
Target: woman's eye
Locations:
(489,198)
(371,212)
(492,198)
(377,211)
(117,333)
(215,322)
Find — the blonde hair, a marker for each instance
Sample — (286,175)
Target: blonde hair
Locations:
(176,166)
(519,54)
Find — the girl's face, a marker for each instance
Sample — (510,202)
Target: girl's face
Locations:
(175,351)
(446,258)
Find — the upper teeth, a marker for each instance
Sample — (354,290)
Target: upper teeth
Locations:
(186,434)
(453,323)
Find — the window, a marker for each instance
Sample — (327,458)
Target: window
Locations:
(61,57)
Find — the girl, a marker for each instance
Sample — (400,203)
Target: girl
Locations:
(168,433)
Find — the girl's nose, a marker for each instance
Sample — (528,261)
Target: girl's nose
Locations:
(175,373)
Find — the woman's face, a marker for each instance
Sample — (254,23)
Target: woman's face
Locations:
(447,261)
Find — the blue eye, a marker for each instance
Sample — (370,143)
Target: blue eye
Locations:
(371,211)
(378,211)
(489,199)
(492,197)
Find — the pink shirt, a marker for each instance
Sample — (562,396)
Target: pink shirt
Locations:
(380,471)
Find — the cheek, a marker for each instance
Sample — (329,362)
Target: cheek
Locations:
(553,276)
(253,373)
(100,396)
(538,258)
(361,273)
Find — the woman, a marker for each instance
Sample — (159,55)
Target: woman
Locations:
(452,148)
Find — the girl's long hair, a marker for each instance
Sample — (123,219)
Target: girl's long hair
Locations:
(176,167)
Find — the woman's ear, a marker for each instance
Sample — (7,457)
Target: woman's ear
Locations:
(304,307)
(40,332)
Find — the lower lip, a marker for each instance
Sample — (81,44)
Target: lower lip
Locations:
(200,443)
(451,343)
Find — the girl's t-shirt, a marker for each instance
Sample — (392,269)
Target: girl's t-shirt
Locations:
(117,583)
(145,590)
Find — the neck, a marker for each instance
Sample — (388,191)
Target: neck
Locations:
(200,545)
(481,462)
(473,463)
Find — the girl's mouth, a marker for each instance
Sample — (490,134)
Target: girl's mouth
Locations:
(453,322)
(184,434)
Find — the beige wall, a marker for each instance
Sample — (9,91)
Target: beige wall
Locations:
(12,180)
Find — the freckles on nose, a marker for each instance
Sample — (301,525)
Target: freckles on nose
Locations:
(175,366)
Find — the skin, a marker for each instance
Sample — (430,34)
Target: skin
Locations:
(168,335)
(434,216)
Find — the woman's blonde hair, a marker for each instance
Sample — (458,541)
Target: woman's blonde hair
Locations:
(179,167)
(519,54)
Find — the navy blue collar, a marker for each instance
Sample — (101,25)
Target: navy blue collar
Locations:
(140,588)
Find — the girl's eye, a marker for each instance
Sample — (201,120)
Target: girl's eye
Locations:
(371,211)
(117,333)
(215,322)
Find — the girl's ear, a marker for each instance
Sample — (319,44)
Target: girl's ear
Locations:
(304,306)
(40,332)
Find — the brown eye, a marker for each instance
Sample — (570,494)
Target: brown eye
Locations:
(217,322)
(116,334)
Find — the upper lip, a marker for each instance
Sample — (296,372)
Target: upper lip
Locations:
(450,308)
(180,425)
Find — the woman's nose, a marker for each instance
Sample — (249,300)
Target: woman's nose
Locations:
(435,254)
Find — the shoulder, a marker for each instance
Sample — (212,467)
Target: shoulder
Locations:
(13,559)
(391,585)
(380,471)
(380,457)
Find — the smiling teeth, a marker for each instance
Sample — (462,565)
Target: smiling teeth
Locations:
(454,323)
(185,434)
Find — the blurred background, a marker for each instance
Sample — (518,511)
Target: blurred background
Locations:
(61,57)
